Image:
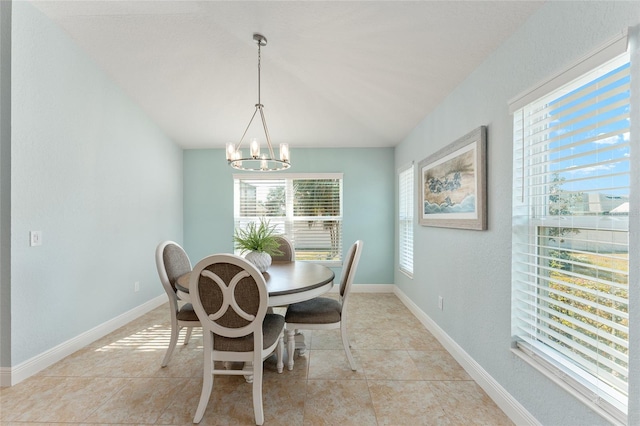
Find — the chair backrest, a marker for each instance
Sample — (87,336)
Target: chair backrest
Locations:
(229,296)
(172,262)
(286,247)
(349,269)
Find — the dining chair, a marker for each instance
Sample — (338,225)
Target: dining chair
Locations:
(323,313)
(172,262)
(230,297)
(286,247)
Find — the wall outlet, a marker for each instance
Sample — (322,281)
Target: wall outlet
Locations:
(136,286)
(441,302)
(35,238)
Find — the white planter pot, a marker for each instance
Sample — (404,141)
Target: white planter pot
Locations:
(260,259)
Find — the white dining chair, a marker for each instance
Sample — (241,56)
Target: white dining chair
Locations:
(172,262)
(230,298)
(286,248)
(323,313)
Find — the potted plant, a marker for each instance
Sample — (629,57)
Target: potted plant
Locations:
(259,242)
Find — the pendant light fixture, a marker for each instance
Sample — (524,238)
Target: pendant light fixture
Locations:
(257,161)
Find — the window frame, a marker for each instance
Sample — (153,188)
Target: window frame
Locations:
(289,219)
(405,236)
(582,385)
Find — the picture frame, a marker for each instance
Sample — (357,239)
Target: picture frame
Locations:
(453,181)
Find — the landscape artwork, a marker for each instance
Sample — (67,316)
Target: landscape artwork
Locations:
(452,184)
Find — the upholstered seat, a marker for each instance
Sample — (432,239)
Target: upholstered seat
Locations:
(323,313)
(320,310)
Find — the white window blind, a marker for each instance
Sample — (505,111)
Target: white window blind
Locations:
(305,208)
(405,219)
(570,233)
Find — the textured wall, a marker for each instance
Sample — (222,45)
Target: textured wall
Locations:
(472,269)
(96,176)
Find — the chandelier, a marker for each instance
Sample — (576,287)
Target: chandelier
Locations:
(257,161)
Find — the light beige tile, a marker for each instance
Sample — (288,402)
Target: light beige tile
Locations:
(388,365)
(119,379)
(438,365)
(464,402)
(338,402)
(55,399)
(231,403)
(419,339)
(107,362)
(405,403)
(325,339)
(140,400)
(374,338)
(333,364)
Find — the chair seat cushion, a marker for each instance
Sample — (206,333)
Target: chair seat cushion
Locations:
(272,326)
(320,310)
(186,313)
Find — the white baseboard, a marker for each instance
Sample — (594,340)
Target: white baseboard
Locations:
(367,288)
(511,407)
(26,369)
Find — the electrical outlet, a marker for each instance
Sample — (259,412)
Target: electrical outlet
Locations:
(136,286)
(35,238)
(441,302)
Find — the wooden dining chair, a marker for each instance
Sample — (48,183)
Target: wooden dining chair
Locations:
(286,248)
(172,262)
(323,313)
(230,298)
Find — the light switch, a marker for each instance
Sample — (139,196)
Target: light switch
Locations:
(35,238)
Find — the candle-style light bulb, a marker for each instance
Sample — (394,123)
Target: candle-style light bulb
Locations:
(231,151)
(255,148)
(284,152)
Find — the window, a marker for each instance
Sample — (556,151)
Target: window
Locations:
(405,219)
(306,208)
(570,246)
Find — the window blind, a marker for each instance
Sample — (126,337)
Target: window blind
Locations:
(570,246)
(405,219)
(305,208)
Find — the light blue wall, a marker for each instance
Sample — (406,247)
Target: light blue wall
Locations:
(96,176)
(472,269)
(368,203)
(5,184)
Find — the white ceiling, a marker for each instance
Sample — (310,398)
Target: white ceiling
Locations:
(334,73)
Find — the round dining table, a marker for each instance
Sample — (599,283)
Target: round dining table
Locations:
(287,282)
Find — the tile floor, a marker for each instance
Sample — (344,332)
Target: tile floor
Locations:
(405,377)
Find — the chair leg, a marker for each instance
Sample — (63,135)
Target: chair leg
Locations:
(280,354)
(257,393)
(291,347)
(347,346)
(188,335)
(175,330)
(207,378)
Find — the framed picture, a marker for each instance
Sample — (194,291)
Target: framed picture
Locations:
(453,184)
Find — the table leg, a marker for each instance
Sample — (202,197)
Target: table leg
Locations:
(294,341)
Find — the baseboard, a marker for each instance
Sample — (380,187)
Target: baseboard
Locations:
(511,407)
(367,288)
(26,369)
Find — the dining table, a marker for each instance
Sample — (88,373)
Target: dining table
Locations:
(287,283)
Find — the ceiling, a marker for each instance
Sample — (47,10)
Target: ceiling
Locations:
(333,74)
